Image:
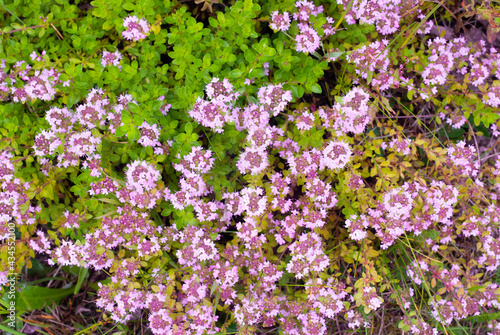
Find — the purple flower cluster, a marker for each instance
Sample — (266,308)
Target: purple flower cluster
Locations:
(25,84)
(217,111)
(351,114)
(14,199)
(278,221)
(308,39)
(393,215)
(111,59)
(135,29)
(384,14)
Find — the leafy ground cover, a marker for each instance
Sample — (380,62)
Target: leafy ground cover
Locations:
(249,167)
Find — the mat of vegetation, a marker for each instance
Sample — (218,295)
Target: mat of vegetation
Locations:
(249,167)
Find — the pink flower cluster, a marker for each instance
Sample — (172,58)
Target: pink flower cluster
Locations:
(24,84)
(283,214)
(193,187)
(454,118)
(393,216)
(308,39)
(307,256)
(142,176)
(165,107)
(373,58)
(458,302)
(14,199)
(464,159)
(215,112)
(149,135)
(111,59)
(273,98)
(457,56)
(351,114)
(280,22)
(384,14)
(135,29)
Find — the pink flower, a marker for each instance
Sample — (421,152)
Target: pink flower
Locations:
(280,22)
(46,143)
(336,155)
(141,176)
(149,135)
(198,160)
(307,41)
(109,58)
(307,256)
(306,8)
(221,91)
(136,30)
(305,121)
(353,112)
(253,201)
(274,98)
(211,114)
(398,204)
(82,144)
(253,160)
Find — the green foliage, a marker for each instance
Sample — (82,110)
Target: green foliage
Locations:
(35,297)
(185,49)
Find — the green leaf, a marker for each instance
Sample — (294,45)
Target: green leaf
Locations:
(316,88)
(108,25)
(403,326)
(126,118)
(335,55)
(297,91)
(120,131)
(188,129)
(477,119)
(213,22)
(81,277)
(131,134)
(10,330)
(236,73)
(138,121)
(285,279)
(269,52)
(128,6)
(370,77)
(36,297)
(73,99)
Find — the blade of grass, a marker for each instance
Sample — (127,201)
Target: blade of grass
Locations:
(10,330)
(81,277)
(14,15)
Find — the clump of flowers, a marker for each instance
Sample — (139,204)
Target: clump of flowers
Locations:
(221,91)
(274,98)
(307,256)
(352,114)
(111,58)
(336,155)
(308,39)
(135,29)
(280,22)
(149,135)
(213,115)
(385,14)
(46,143)
(280,213)
(142,176)
(463,157)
